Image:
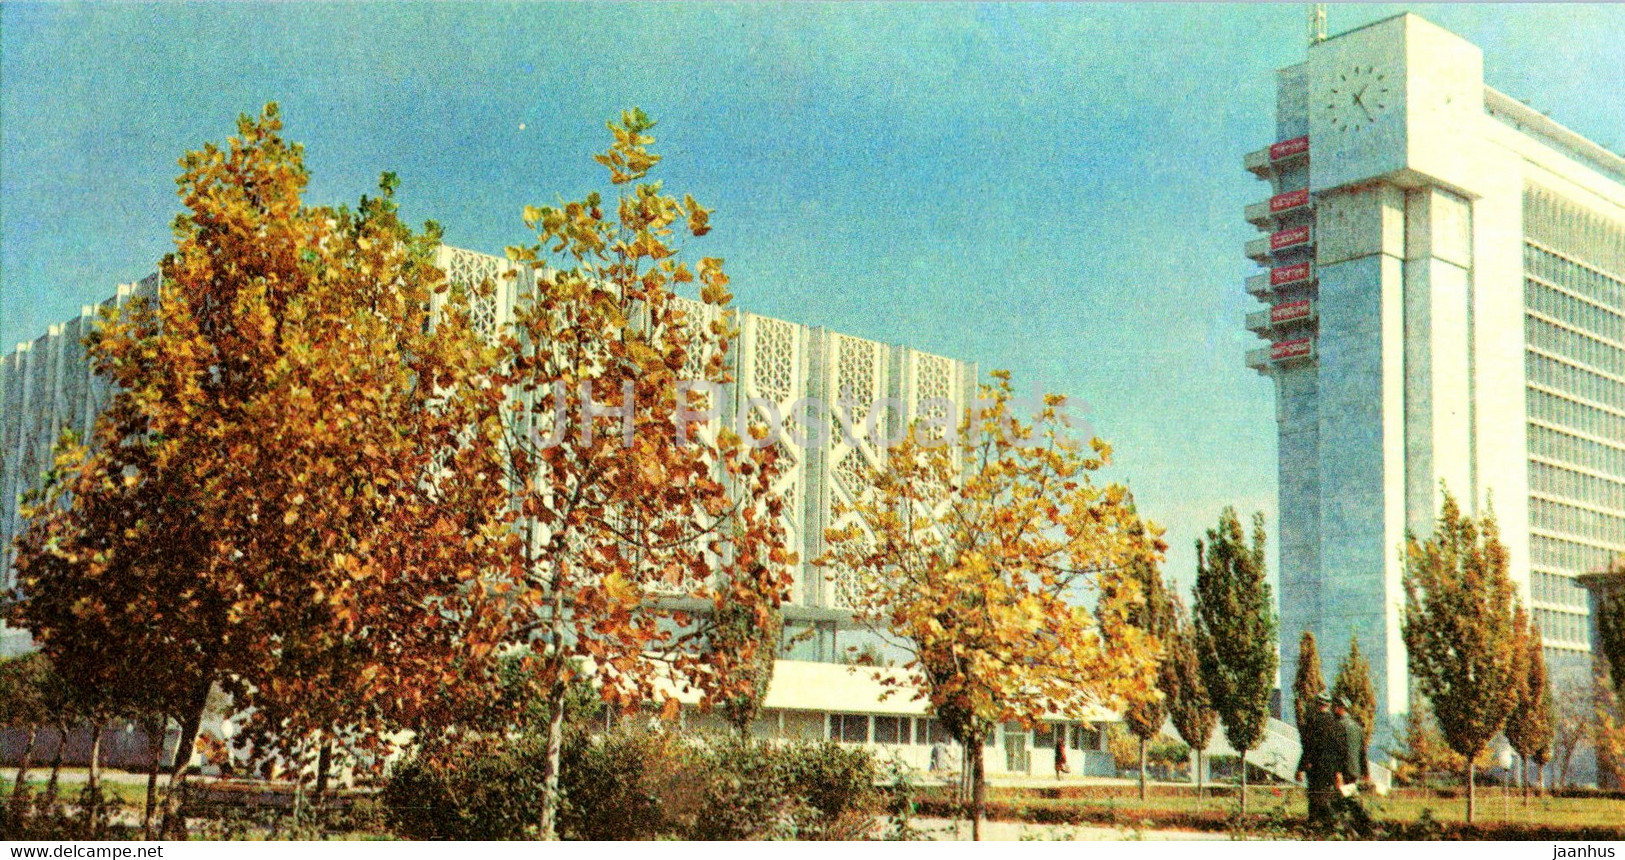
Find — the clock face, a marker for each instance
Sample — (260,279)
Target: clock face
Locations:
(1358,96)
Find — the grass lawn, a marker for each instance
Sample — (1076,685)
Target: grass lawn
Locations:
(1403,805)
(132,793)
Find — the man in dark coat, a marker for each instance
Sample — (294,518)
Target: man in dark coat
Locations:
(1355,768)
(1324,759)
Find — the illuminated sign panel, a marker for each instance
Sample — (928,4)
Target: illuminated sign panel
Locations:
(1291,237)
(1289,311)
(1291,349)
(1289,148)
(1289,201)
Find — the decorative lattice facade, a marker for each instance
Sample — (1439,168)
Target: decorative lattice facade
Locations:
(837,399)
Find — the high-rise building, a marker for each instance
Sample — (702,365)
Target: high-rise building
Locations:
(1444,269)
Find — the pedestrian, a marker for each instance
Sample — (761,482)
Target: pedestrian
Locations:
(1060,751)
(1321,765)
(1355,769)
(939,757)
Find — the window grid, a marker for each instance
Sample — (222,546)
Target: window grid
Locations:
(1575,367)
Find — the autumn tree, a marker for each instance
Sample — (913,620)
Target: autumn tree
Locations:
(261,510)
(1607,727)
(1421,749)
(1572,718)
(1609,618)
(1529,727)
(1308,683)
(23,705)
(1235,632)
(1188,706)
(630,507)
(1152,614)
(971,556)
(1460,640)
(1353,686)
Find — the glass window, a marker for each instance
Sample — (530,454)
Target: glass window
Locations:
(891,730)
(849,728)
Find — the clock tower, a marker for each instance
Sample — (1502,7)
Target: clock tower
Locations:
(1375,380)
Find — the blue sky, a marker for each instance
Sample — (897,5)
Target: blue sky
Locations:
(1053,189)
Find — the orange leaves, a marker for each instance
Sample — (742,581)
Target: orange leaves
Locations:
(978,567)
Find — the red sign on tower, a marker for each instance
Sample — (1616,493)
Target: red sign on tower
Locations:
(1291,349)
(1297,273)
(1288,148)
(1291,237)
(1289,311)
(1288,201)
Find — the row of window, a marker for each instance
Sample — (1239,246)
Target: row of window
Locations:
(1562,626)
(1575,346)
(1576,486)
(1567,555)
(1582,280)
(1569,448)
(869,728)
(1556,516)
(1553,301)
(1572,413)
(1575,380)
(1555,588)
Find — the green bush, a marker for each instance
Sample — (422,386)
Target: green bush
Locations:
(634,784)
(628,784)
(467,792)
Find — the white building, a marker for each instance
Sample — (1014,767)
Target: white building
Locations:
(1445,273)
(47,386)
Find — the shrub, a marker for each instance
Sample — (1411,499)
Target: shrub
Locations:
(628,784)
(466,792)
(634,784)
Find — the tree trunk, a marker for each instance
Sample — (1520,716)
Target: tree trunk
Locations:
(1199,789)
(1243,782)
(173,825)
(549,825)
(56,761)
(324,764)
(1142,768)
(1523,777)
(156,731)
(22,765)
(93,780)
(1471,799)
(978,791)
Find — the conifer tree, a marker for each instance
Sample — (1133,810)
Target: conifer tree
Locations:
(1153,615)
(1353,685)
(1235,632)
(1188,706)
(1308,684)
(1529,728)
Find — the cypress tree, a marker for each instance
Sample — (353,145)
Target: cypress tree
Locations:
(1353,685)
(1235,632)
(1308,684)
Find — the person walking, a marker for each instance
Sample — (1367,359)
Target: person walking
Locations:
(1324,758)
(1060,751)
(1354,770)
